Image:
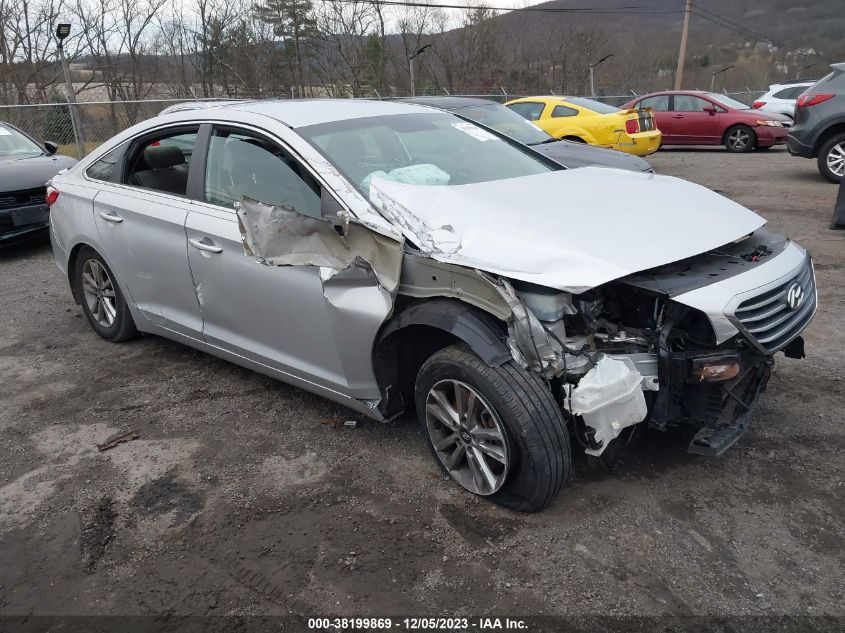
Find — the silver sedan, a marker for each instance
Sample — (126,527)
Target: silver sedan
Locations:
(395,258)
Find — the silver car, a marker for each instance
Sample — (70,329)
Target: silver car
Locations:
(395,258)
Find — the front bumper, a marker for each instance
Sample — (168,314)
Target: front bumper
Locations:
(768,136)
(20,222)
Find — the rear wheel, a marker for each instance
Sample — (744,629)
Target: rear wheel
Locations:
(497,431)
(740,139)
(831,158)
(102,300)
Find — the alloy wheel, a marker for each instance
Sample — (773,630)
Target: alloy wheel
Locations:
(98,289)
(739,139)
(468,437)
(836,159)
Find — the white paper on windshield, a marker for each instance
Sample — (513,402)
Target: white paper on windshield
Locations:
(4,131)
(475,132)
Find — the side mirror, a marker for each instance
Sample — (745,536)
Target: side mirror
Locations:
(711,110)
(51,147)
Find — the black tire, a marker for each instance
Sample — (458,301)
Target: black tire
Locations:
(740,139)
(536,433)
(123,328)
(574,139)
(835,141)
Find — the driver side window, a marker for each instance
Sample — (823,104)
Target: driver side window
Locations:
(241,164)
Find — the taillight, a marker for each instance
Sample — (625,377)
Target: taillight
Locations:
(805,101)
(758,104)
(632,126)
(52,196)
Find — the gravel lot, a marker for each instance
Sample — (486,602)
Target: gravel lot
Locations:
(241,496)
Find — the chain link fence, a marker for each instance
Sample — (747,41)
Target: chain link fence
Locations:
(78,128)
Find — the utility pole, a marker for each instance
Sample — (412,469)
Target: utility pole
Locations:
(679,73)
(411,57)
(62,31)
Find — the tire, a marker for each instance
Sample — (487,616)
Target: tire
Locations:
(740,139)
(101,298)
(574,139)
(521,411)
(832,150)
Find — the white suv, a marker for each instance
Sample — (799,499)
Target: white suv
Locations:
(781,97)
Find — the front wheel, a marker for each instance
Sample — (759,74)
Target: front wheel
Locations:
(497,431)
(740,139)
(831,158)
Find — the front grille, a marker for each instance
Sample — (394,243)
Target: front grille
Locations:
(769,322)
(23,197)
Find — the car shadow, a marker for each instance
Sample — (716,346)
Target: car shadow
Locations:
(714,149)
(35,244)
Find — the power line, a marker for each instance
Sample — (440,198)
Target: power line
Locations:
(727,23)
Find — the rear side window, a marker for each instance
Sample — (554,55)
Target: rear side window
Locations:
(788,93)
(242,164)
(103,169)
(161,164)
(531,110)
(658,103)
(562,111)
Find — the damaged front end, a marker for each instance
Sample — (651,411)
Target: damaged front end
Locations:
(632,351)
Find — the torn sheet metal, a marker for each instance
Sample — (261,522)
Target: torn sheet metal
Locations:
(571,230)
(529,342)
(281,236)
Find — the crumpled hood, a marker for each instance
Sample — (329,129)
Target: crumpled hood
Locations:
(28,173)
(572,230)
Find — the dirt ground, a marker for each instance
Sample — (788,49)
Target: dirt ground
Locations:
(239,498)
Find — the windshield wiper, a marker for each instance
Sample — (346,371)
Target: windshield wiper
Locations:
(551,139)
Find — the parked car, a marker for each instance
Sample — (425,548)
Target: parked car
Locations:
(692,117)
(587,121)
(781,97)
(819,130)
(503,120)
(394,258)
(25,167)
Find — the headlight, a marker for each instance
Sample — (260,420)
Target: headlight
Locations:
(770,123)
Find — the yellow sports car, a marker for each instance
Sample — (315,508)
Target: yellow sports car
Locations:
(587,121)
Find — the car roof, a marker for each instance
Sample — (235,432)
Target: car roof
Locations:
(303,112)
(448,102)
(793,82)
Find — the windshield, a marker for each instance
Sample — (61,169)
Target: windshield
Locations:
(13,143)
(422,149)
(727,101)
(591,104)
(506,121)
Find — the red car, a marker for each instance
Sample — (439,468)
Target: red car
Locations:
(692,117)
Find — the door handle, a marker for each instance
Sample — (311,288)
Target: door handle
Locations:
(208,248)
(108,217)
(677,116)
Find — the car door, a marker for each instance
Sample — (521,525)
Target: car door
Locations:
(659,105)
(140,217)
(694,120)
(278,316)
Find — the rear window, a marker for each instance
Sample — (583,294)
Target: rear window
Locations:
(591,104)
